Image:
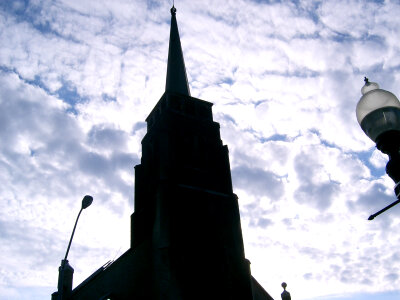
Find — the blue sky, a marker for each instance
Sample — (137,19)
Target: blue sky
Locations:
(78,79)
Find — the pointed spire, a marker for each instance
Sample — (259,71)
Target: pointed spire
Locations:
(176,72)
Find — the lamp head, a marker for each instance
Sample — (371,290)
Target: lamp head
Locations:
(378,111)
(86,201)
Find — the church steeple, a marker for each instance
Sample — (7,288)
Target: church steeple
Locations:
(176,72)
(186,237)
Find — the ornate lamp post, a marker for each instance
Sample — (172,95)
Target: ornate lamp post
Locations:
(378,113)
(65,271)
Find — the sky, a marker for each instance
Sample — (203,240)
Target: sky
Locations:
(78,79)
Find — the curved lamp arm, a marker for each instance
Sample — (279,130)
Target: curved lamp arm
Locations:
(86,201)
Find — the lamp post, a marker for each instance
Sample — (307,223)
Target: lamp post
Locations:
(378,113)
(65,271)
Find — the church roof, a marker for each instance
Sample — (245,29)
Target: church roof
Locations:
(176,72)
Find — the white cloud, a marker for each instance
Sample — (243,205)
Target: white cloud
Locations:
(378,159)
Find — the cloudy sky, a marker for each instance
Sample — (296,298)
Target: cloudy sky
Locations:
(79,77)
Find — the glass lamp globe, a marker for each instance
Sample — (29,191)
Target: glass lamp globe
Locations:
(378,111)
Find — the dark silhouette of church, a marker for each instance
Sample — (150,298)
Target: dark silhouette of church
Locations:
(186,237)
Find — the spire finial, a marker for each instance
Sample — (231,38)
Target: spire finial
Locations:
(173,9)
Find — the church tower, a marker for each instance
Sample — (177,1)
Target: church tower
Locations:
(186,238)
(183,195)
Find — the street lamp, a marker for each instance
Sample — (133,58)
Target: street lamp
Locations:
(378,113)
(65,271)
